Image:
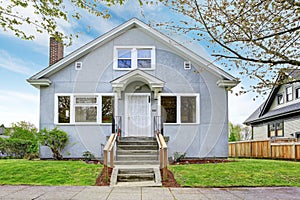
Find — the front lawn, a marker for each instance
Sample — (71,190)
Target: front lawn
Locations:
(243,172)
(25,172)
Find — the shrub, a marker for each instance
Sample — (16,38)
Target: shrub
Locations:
(178,157)
(55,139)
(16,148)
(22,141)
(88,156)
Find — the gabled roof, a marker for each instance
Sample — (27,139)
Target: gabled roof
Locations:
(115,33)
(263,112)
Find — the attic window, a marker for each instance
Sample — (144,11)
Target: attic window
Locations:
(187,65)
(297,91)
(138,57)
(78,65)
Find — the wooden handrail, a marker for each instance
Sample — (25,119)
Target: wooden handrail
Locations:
(163,154)
(109,148)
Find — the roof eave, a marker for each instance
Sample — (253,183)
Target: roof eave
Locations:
(272,117)
(227,84)
(39,82)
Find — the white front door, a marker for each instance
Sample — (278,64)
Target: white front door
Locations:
(138,114)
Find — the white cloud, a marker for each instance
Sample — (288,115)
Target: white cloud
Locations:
(15,64)
(18,106)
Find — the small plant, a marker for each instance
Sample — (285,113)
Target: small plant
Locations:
(178,157)
(88,156)
(55,139)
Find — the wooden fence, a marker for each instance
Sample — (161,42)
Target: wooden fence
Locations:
(273,149)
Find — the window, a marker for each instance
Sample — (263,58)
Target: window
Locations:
(179,108)
(128,58)
(107,109)
(275,129)
(84,108)
(144,58)
(124,58)
(297,91)
(63,109)
(169,109)
(188,109)
(289,93)
(280,99)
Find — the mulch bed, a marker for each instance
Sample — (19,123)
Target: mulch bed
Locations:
(104,180)
(170,181)
(200,161)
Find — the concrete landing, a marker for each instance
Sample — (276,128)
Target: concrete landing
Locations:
(117,168)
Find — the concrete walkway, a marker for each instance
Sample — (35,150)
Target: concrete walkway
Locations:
(155,193)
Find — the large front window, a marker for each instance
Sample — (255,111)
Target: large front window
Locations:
(128,58)
(179,108)
(84,108)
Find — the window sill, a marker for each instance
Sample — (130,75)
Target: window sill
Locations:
(188,124)
(131,69)
(82,124)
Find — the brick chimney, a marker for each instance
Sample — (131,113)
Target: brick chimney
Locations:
(56,51)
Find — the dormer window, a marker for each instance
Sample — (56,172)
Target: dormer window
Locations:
(289,93)
(297,91)
(280,99)
(128,58)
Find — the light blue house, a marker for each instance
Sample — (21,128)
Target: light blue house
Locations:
(135,74)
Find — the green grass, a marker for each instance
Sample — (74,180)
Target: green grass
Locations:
(25,172)
(243,172)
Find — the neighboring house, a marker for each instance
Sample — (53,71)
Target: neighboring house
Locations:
(279,115)
(135,73)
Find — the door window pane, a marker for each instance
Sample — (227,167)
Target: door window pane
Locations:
(64,109)
(107,109)
(188,109)
(169,109)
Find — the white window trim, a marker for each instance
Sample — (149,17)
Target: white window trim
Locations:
(134,57)
(178,102)
(72,108)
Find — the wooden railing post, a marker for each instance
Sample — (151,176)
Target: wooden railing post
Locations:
(109,148)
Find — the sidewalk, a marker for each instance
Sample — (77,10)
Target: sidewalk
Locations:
(155,193)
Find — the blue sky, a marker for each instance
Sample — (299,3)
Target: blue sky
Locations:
(20,59)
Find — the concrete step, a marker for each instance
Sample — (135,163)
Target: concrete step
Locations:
(137,157)
(135,177)
(137,139)
(137,143)
(137,152)
(140,162)
(145,170)
(137,147)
